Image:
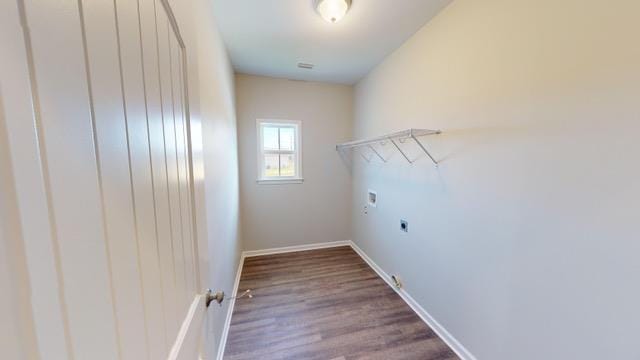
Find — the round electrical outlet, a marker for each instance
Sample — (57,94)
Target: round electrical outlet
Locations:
(404,225)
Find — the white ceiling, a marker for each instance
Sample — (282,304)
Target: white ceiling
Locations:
(270,37)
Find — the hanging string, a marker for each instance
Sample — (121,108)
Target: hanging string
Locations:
(246,292)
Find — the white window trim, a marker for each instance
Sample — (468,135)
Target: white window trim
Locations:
(298,179)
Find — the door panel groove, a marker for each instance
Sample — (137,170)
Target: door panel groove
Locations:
(43,165)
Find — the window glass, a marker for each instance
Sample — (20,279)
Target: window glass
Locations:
(271,165)
(270,137)
(287,138)
(278,150)
(287,165)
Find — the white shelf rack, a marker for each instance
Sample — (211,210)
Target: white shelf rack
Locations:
(393,138)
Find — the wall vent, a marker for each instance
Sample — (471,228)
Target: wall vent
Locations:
(307,66)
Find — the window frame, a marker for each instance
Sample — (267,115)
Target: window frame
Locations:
(297,177)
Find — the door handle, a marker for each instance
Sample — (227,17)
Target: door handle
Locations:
(210,296)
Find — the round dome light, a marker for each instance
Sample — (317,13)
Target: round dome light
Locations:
(332,10)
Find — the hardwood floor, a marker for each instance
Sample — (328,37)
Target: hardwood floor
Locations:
(324,304)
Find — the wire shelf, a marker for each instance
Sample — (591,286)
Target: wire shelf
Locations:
(394,138)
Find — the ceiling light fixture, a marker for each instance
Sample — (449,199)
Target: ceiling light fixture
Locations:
(332,10)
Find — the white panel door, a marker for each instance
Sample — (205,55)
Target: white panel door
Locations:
(65,127)
(114,176)
(175,215)
(181,158)
(134,91)
(22,144)
(149,34)
(96,183)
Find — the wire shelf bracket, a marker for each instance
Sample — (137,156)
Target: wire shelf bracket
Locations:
(393,138)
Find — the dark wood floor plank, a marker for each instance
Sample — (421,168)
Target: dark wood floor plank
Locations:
(324,304)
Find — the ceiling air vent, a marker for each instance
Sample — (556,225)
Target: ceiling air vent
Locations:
(307,66)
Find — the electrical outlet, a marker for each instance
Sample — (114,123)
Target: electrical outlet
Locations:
(372,198)
(366,210)
(404,225)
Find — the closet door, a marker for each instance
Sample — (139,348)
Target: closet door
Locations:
(93,111)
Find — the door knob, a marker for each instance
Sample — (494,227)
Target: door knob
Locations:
(218,296)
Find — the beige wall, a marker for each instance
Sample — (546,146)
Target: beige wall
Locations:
(295,214)
(524,243)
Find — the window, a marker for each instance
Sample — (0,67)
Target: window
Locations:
(279,155)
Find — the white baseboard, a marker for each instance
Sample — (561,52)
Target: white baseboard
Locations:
(287,249)
(454,344)
(227,321)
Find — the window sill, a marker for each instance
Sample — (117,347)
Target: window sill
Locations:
(280,181)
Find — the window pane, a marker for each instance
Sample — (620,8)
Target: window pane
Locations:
(287,165)
(271,165)
(270,137)
(287,138)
